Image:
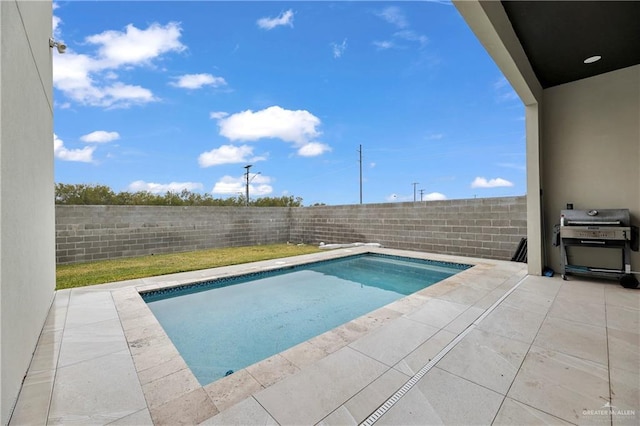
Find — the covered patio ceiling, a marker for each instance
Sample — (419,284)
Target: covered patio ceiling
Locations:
(557,37)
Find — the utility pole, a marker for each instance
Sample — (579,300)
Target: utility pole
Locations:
(414,190)
(421,193)
(360,152)
(248,166)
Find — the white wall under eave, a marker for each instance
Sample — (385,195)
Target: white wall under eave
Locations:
(27,221)
(535,240)
(591,148)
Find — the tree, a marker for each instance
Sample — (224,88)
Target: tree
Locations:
(84,194)
(75,194)
(283,201)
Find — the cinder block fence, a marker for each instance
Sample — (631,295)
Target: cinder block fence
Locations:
(485,227)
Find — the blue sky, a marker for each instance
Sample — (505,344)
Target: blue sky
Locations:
(163,96)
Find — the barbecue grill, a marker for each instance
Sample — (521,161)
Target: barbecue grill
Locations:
(610,228)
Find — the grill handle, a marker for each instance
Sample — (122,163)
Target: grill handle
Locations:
(592,242)
(592,222)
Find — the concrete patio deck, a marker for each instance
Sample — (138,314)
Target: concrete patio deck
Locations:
(489,345)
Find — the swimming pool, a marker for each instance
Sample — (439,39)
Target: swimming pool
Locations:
(225,325)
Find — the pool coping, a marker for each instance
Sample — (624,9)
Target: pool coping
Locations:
(168,383)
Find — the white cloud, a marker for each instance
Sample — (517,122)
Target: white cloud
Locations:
(228,154)
(258,186)
(100,136)
(84,155)
(90,79)
(71,75)
(434,136)
(339,49)
(384,45)
(134,46)
(163,188)
(411,35)
(55,22)
(216,115)
(504,91)
(197,81)
(55,26)
(434,196)
(126,94)
(284,19)
(508,95)
(299,127)
(313,149)
(394,16)
(481,182)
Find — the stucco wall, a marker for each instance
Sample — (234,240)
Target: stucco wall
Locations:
(490,227)
(27,257)
(591,151)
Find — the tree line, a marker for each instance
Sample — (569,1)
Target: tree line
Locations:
(84,194)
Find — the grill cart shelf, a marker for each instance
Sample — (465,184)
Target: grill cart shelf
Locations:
(608,228)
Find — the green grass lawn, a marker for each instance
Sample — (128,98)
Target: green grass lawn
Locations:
(105,271)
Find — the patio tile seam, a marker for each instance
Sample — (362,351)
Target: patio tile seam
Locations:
(606,331)
(535,408)
(620,305)
(506,394)
(572,355)
(574,321)
(394,364)
(264,408)
(355,395)
(104,355)
(626,370)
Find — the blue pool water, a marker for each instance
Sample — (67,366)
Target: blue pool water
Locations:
(229,324)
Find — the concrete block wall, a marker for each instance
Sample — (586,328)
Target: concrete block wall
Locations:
(86,233)
(487,227)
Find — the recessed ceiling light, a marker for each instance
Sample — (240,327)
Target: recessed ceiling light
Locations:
(592,59)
